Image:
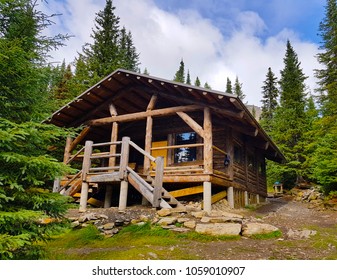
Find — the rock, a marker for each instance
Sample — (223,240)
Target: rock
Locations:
(144,218)
(183,220)
(250,229)
(229,229)
(75,224)
(167,221)
(198,214)
(102,216)
(153,255)
(111,232)
(180,229)
(231,215)
(220,220)
(190,224)
(164,212)
(108,226)
(300,234)
(87,217)
(119,223)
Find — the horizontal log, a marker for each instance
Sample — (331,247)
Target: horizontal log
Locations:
(144,115)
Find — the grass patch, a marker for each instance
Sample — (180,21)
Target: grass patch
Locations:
(274,234)
(134,242)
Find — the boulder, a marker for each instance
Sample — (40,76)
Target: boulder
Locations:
(229,229)
(250,229)
(198,214)
(167,221)
(108,226)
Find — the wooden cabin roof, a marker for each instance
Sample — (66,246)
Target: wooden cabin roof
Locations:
(131,92)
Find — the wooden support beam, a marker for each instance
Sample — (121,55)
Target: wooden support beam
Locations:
(158,182)
(79,138)
(187,191)
(208,141)
(67,150)
(218,109)
(144,115)
(192,123)
(148,134)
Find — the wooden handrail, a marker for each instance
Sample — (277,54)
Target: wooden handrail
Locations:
(74,156)
(106,144)
(177,146)
(71,180)
(219,150)
(139,149)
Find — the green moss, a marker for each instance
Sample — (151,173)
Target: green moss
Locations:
(274,234)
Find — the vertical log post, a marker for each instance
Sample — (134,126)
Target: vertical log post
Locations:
(67,151)
(85,169)
(158,182)
(230,197)
(148,135)
(246,198)
(208,142)
(112,160)
(207,197)
(124,158)
(123,196)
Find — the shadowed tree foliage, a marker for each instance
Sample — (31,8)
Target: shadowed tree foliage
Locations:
(180,74)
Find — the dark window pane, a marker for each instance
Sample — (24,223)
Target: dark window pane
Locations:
(188,153)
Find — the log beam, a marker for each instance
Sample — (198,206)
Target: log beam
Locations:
(192,123)
(144,115)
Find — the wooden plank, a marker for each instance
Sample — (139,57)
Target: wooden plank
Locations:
(104,178)
(187,191)
(144,115)
(192,123)
(95,202)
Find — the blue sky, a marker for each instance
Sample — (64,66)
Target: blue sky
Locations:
(215,38)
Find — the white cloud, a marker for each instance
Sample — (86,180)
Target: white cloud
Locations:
(163,38)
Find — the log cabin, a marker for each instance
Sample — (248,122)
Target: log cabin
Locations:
(144,139)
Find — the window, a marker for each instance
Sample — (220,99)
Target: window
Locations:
(251,162)
(185,154)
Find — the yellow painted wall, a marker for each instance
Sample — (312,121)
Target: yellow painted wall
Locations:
(160,153)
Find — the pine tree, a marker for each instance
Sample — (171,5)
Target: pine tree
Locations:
(290,118)
(238,89)
(229,88)
(146,72)
(128,56)
(327,57)
(269,101)
(188,78)
(206,85)
(197,82)
(180,74)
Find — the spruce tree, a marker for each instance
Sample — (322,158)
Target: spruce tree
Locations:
(290,118)
(327,77)
(324,155)
(180,74)
(207,86)
(229,88)
(269,100)
(238,89)
(112,47)
(188,78)
(27,166)
(197,82)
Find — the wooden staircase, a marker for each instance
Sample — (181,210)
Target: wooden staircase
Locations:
(152,188)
